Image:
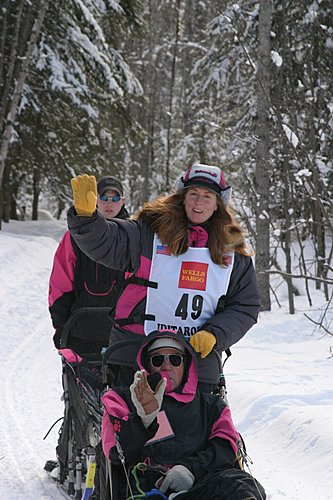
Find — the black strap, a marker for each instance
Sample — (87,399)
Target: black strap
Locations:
(137,318)
(228,353)
(141,282)
(220,307)
(121,284)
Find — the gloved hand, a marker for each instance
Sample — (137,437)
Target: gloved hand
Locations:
(203,342)
(146,401)
(85,194)
(179,478)
(57,337)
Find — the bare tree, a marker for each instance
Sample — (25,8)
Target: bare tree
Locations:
(171,96)
(262,177)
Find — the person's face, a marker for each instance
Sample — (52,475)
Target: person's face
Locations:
(200,204)
(175,373)
(110,208)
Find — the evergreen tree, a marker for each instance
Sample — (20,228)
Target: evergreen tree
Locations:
(72,115)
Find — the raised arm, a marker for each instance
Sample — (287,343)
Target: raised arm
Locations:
(132,428)
(115,243)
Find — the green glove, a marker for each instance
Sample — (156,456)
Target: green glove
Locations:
(85,194)
(203,342)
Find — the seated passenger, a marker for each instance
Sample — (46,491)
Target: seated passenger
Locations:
(184,439)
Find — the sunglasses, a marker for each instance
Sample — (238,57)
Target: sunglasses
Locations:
(174,359)
(114,198)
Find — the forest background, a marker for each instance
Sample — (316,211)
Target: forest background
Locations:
(141,89)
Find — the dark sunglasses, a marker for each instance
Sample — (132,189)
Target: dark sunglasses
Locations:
(174,359)
(114,198)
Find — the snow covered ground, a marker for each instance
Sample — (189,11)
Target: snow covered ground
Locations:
(279,382)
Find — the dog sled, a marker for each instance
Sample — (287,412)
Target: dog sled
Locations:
(81,470)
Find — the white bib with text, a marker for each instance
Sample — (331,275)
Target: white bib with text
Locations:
(189,287)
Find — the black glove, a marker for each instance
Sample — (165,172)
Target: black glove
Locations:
(57,337)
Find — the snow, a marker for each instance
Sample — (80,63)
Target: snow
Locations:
(304,172)
(291,136)
(279,381)
(276,58)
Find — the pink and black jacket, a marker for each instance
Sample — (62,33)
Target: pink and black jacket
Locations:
(128,246)
(76,282)
(205,438)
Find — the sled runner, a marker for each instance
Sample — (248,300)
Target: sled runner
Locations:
(80,433)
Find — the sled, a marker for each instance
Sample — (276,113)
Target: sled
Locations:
(78,448)
(82,471)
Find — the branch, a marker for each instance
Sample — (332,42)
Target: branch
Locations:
(288,275)
(319,323)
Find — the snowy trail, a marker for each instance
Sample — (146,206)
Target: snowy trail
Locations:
(30,369)
(279,382)
(28,413)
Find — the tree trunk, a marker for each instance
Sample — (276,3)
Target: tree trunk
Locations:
(6,197)
(150,112)
(171,97)
(319,228)
(36,192)
(3,31)
(17,94)
(60,209)
(187,66)
(149,83)
(1,206)
(287,231)
(13,197)
(10,76)
(262,173)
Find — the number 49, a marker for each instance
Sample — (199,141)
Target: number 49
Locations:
(196,306)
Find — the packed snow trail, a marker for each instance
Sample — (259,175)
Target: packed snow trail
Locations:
(30,368)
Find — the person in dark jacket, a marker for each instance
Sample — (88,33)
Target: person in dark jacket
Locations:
(192,272)
(77,281)
(184,439)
